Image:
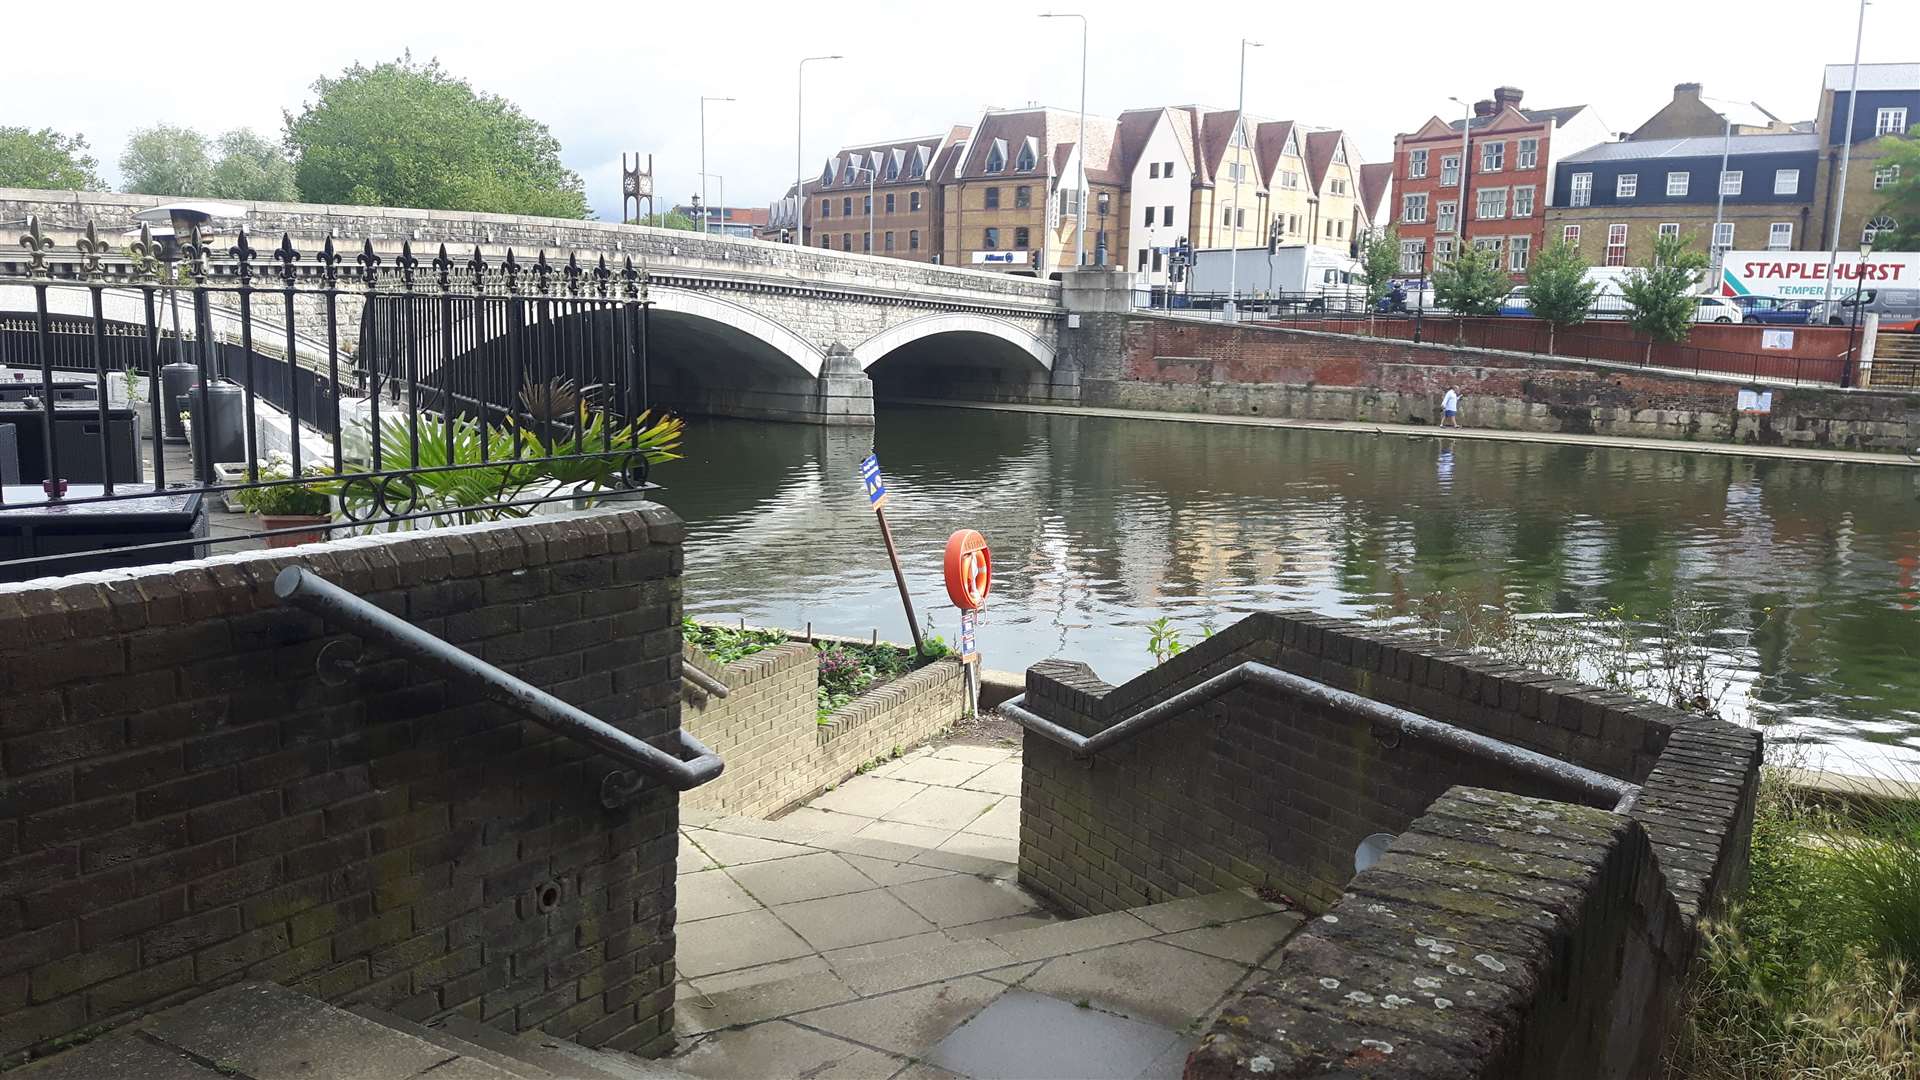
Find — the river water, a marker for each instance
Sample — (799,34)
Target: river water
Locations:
(1808,574)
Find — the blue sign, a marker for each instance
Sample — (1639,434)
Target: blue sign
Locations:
(870,476)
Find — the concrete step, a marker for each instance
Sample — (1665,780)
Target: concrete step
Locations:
(446,1039)
(555,1057)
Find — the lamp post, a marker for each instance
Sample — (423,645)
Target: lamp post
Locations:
(799,117)
(1720,196)
(1233,200)
(708,216)
(1853,324)
(1080,214)
(1420,297)
(1846,153)
(703,154)
(1460,212)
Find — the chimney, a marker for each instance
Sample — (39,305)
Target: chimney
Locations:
(1686,91)
(1484,107)
(1504,96)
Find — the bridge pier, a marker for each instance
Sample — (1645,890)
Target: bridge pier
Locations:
(845,393)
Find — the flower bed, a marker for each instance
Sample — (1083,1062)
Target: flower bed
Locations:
(847,669)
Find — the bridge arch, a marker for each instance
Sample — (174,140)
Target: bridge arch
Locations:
(738,326)
(967,325)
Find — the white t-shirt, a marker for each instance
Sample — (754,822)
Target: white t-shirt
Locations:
(1451,402)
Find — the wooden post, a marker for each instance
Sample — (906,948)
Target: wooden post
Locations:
(900,579)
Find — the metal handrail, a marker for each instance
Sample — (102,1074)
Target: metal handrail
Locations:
(1590,783)
(304,589)
(707,683)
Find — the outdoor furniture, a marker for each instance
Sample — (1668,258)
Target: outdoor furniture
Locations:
(18,384)
(78,433)
(30,526)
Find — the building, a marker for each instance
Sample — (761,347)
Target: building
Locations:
(1376,199)
(1156,149)
(881,198)
(1689,115)
(749,222)
(1888,110)
(1010,192)
(1500,201)
(1333,181)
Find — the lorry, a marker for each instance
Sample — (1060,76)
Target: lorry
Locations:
(1297,275)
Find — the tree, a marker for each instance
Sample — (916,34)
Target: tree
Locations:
(46,159)
(1471,283)
(252,168)
(167,160)
(1379,262)
(672,220)
(1901,201)
(1660,299)
(407,134)
(1558,289)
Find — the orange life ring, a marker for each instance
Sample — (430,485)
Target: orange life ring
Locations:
(969,570)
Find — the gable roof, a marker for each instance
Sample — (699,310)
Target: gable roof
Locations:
(1375,179)
(1054,133)
(1320,151)
(876,156)
(1135,129)
(1556,117)
(1269,139)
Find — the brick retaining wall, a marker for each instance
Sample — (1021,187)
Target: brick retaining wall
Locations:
(185,803)
(778,752)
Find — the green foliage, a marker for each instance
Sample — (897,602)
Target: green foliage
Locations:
(286,500)
(671,220)
(166,160)
(408,134)
(1471,283)
(251,168)
(1163,640)
(1660,299)
(1558,289)
(1901,202)
(1379,262)
(47,159)
(726,645)
(848,670)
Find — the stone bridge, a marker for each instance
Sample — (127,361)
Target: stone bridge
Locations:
(739,327)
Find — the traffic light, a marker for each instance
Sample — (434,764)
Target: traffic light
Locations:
(786,236)
(1273,237)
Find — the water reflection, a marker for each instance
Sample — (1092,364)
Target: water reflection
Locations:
(1100,526)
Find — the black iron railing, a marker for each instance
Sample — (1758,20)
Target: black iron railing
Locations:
(402,389)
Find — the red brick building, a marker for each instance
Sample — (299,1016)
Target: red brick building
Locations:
(1510,154)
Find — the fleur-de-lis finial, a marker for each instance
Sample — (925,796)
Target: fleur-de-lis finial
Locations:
(369,263)
(197,255)
(443,269)
(288,257)
(37,246)
(511,268)
(243,254)
(629,279)
(477,270)
(144,253)
(407,264)
(572,273)
(91,249)
(602,277)
(542,273)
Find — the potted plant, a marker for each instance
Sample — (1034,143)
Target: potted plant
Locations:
(286,506)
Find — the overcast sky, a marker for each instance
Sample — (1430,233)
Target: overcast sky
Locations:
(608,77)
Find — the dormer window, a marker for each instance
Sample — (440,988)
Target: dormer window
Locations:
(1028,157)
(1340,154)
(826,175)
(917,165)
(893,165)
(997,156)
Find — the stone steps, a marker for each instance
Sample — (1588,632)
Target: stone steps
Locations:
(262,1031)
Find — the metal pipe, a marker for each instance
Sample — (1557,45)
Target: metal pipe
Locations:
(1591,784)
(707,683)
(303,589)
(1846,156)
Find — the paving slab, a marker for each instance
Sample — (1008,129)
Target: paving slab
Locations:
(691,857)
(1024,1036)
(312,1040)
(907,1022)
(978,755)
(119,1055)
(854,919)
(867,796)
(1190,912)
(946,808)
(1013,976)
(728,849)
(1072,935)
(748,939)
(962,899)
(804,877)
(901,762)
(941,771)
(973,846)
(781,1049)
(1145,980)
(870,977)
(1003,821)
(827,822)
(752,1004)
(874,950)
(809,964)
(706,894)
(995,927)
(918,837)
(1001,779)
(892,872)
(1248,941)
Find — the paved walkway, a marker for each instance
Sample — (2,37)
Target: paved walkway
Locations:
(879,932)
(1792,453)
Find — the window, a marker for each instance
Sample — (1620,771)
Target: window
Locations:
(846,206)
(1886,178)
(1153,170)
(1289,179)
(1570,234)
(1240,218)
(1523,201)
(889,202)
(1723,235)
(916,168)
(1677,183)
(1489,243)
(993,198)
(1022,197)
(1518,248)
(1492,204)
(1528,154)
(1731,182)
(887,240)
(1493,156)
(1445,218)
(1669,228)
(826,241)
(826,207)
(1780,236)
(1020,237)
(1416,164)
(1890,122)
(1617,245)
(1340,153)
(1786,181)
(1339,187)
(1143,260)
(1026,161)
(866,241)
(846,241)
(892,171)
(997,156)
(1293,224)
(1880,224)
(1156,260)
(913,201)
(866,204)
(1166,214)
(1450,170)
(1236,172)
(1149,220)
(1413,256)
(1166,168)
(913,239)
(1226,217)
(1442,250)
(990,239)
(1582,189)
(1413,209)
(1626,185)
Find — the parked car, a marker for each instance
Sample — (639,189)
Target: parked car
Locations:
(1715,309)
(1773,310)
(1890,304)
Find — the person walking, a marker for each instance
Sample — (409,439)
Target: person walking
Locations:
(1450,408)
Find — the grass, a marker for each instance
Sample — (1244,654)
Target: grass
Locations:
(847,670)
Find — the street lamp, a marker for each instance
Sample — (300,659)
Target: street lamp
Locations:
(1720,198)
(1460,211)
(708,216)
(703,152)
(1080,215)
(1233,200)
(1846,152)
(1853,325)
(799,116)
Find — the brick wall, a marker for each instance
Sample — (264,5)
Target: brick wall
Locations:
(1188,366)
(777,750)
(185,803)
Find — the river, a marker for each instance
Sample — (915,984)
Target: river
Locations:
(1807,574)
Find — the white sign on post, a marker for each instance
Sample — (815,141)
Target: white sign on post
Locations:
(1776,339)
